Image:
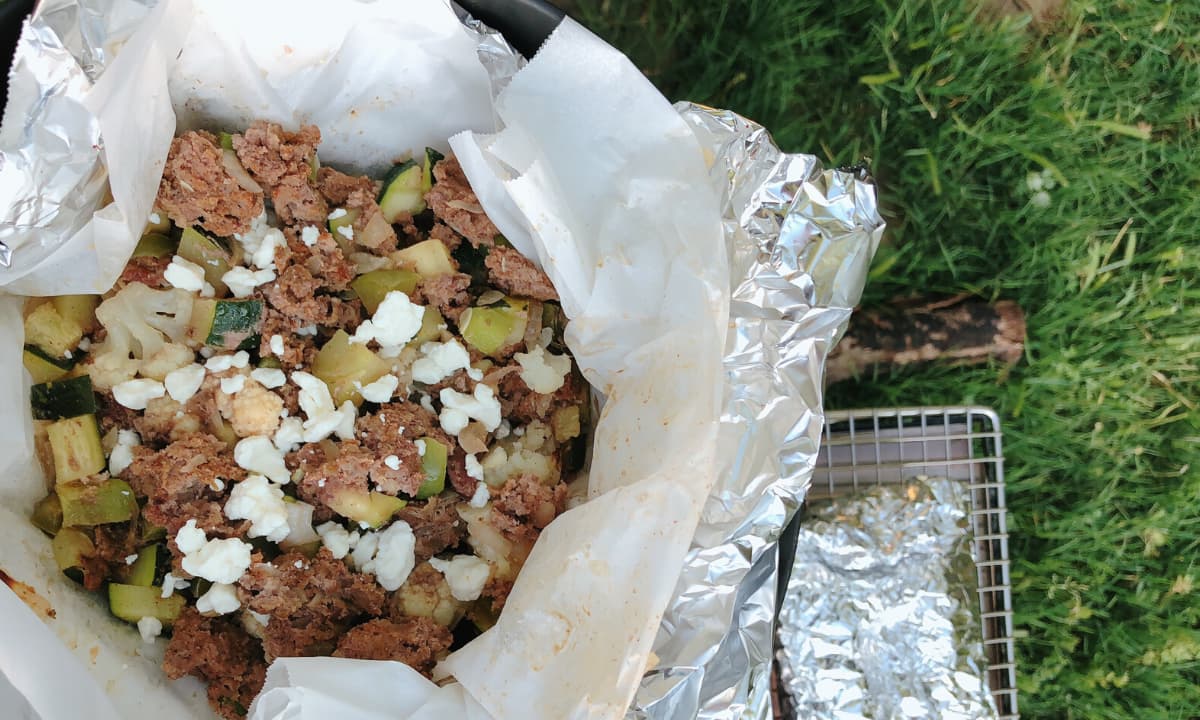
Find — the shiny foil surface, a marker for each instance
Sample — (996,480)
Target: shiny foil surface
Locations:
(800,239)
(881,617)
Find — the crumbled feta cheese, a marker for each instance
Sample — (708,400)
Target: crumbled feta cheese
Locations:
(475,374)
(309,235)
(299,564)
(346,231)
(183,383)
(289,435)
(392,461)
(474,469)
(323,420)
(459,409)
(259,617)
(68,354)
(481,496)
(307,330)
(121,456)
(400,430)
(420,443)
(221,561)
(184,274)
(134,394)
(465,574)
(544,372)
(396,321)
(337,214)
(379,391)
(440,360)
(222,599)
(218,484)
(171,583)
(206,352)
(504,430)
(257,500)
(276,345)
(85,344)
(233,384)
(264,254)
(155,218)
(260,242)
(388,555)
(335,537)
(259,455)
(427,403)
(131,559)
(149,627)
(221,363)
(242,281)
(269,377)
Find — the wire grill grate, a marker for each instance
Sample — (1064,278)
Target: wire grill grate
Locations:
(864,448)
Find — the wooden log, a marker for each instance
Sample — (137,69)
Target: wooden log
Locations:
(960,330)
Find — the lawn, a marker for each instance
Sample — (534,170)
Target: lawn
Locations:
(1055,164)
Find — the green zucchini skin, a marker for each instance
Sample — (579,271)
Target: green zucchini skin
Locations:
(60,399)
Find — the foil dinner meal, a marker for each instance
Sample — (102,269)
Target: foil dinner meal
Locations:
(370,370)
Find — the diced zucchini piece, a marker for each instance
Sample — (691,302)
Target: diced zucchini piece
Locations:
(71,549)
(566,423)
(205,252)
(43,368)
(270,362)
(374,286)
(143,570)
(429,258)
(88,504)
(472,261)
(134,602)
(47,514)
(63,398)
(341,363)
(226,140)
(152,533)
(308,549)
(227,324)
(75,445)
(46,328)
(372,508)
(431,156)
(402,191)
(432,323)
(490,329)
(79,309)
(481,614)
(344,221)
(154,245)
(222,430)
(433,463)
(162,227)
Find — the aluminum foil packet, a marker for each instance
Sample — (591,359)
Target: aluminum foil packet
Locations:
(881,616)
(799,238)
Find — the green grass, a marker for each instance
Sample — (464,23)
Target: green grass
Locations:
(1101,419)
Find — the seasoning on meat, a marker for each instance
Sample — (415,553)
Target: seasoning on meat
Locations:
(435,524)
(197,188)
(516,274)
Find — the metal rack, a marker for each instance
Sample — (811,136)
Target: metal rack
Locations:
(863,448)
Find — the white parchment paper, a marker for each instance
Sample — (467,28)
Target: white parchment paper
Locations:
(593,174)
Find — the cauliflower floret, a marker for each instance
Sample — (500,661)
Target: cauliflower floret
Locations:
(139,322)
(253,410)
(172,356)
(165,420)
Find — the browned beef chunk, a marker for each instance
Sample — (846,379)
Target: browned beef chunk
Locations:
(219,652)
(516,274)
(196,188)
(435,524)
(180,482)
(447,293)
(417,642)
(454,202)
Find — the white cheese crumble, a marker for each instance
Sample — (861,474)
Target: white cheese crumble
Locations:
(233,384)
(427,403)
(85,344)
(289,435)
(222,599)
(504,430)
(134,394)
(339,541)
(346,231)
(420,443)
(183,383)
(440,360)
(260,241)
(307,330)
(309,235)
(459,409)
(276,345)
(242,281)
(392,461)
(269,377)
(171,583)
(131,559)
(474,469)
(379,391)
(221,363)
(396,321)
(155,218)
(338,213)
(222,561)
(323,420)
(184,274)
(259,455)
(481,496)
(388,555)
(121,456)
(256,499)
(465,574)
(475,374)
(544,372)
(149,627)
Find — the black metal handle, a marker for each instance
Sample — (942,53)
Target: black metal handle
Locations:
(524,23)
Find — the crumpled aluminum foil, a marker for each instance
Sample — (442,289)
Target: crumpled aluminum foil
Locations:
(881,617)
(800,240)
